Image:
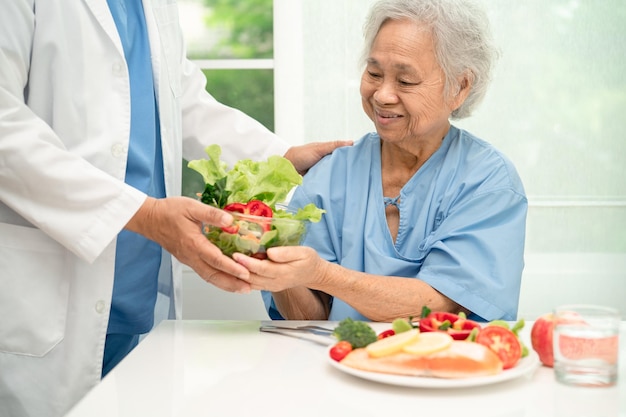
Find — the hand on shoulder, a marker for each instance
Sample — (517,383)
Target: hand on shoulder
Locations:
(305,156)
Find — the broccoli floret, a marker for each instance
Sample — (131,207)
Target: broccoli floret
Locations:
(358,333)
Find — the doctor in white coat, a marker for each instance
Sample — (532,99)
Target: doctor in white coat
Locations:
(65,112)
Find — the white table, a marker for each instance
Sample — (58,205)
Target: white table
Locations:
(230,368)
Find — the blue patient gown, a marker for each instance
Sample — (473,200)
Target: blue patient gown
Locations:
(462,223)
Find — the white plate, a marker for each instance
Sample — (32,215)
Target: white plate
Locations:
(526,365)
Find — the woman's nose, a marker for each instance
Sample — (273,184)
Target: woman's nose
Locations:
(386,93)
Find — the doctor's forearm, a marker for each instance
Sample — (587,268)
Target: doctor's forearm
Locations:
(138,223)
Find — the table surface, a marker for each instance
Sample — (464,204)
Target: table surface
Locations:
(230,368)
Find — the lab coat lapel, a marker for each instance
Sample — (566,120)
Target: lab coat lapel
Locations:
(102,14)
(155,44)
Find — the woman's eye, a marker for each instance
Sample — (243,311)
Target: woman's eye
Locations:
(374,74)
(406,83)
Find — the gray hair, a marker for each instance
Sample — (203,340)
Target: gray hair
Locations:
(462,40)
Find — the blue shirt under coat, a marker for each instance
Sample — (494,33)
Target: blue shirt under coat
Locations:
(462,223)
(137,259)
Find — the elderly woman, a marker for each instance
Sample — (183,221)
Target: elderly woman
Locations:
(420,213)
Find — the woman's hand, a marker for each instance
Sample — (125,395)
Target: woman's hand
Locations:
(176,224)
(286,267)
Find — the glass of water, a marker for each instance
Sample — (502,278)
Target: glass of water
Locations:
(586,345)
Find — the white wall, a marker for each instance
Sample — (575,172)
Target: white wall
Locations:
(552,279)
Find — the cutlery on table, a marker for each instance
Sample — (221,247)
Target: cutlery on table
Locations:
(301,332)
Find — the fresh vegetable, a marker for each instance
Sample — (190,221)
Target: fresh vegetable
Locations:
(386,333)
(455,325)
(473,334)
(503,342)
(253,235)
(519,325)
(401,325)
(268,181)
(358,333)
(253,208)
(254,188)
(340,350)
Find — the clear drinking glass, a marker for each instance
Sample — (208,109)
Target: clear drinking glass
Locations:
(586,345)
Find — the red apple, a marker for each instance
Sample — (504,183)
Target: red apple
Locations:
(541,338)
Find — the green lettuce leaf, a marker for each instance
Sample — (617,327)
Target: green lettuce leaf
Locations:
(269,181)
(212,169)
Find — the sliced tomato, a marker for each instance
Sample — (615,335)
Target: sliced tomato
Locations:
(231,229)
(340,350)
(457,327)
(503,342)
(386,334)
(253,208)
(259,208)
(236,207)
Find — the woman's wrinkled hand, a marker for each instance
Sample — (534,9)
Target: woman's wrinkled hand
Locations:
(176,224)
(285,267)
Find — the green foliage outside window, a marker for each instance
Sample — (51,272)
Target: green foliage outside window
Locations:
(250,27)
(247,33)
(250,91)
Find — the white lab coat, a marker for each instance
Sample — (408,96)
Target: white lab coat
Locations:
(64,131)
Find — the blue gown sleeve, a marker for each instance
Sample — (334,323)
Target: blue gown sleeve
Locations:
(478,248)
(272,311)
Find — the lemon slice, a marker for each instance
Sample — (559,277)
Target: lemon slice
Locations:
(429,342)
(392,344)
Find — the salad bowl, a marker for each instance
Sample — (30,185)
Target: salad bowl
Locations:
(253,192)
(253,235)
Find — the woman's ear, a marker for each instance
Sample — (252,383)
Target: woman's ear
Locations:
(462,91)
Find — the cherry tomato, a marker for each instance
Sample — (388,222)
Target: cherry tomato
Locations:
(386,333)
(457,327)
(503,342)
(340,350)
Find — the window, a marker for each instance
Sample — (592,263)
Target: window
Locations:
(232,41)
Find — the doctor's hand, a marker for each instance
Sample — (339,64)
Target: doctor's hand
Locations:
(176,224)
(304,157)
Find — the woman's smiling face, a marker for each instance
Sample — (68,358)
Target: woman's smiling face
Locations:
(402,86)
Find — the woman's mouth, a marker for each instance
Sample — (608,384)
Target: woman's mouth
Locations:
(385,117)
